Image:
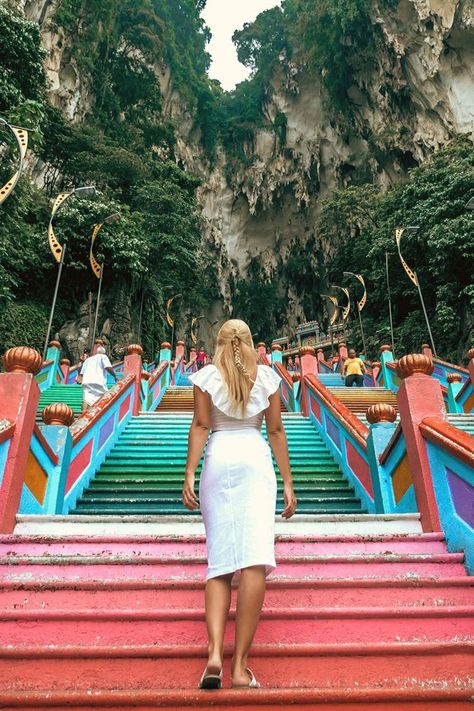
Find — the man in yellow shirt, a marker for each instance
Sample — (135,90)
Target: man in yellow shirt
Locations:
(354,370)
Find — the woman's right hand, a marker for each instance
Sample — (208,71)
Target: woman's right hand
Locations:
(188,496)
(290,501)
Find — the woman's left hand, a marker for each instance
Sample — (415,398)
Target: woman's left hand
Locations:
(188,496)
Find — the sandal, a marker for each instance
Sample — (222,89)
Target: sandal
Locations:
(210,681)
(253,683)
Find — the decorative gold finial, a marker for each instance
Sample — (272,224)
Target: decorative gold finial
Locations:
(22,359)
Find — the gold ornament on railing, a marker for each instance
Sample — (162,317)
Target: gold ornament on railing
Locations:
(96,267)
(168,315)
(411,274)
(363,300)
(21,136)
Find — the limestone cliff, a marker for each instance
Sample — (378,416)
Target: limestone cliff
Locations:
(416,95)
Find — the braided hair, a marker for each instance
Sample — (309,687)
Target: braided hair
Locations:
(236,360)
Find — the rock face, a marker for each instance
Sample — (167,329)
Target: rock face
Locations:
(417,95)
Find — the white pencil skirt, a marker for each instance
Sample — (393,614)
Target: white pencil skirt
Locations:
(237,494)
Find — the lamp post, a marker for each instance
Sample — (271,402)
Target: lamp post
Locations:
(21,137)
(58,250)
(333,318)
(360,305)
(97,268)
(387,254)
(413,277)
(170,320)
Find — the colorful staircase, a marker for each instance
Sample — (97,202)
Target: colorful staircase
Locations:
(463,422)
(350,621)
(358,400)
(143,473)
(69,394)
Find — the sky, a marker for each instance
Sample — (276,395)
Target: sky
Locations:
(223,17)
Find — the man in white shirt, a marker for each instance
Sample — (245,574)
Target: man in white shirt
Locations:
(93,378)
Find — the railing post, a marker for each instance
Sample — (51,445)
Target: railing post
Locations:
(386,356)
(381,418)
(53,353)
(277,356)
(57,417)
(19,396)
(426,350)
(179,353)
(145,388)
(470,366)
(455,385)
(319,358)
(262,349)
(65,365)
(308,366)
(342,348)
(420,396)
(132,364)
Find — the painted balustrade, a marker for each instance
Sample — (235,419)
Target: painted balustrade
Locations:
(344,434)
(95,433)
(388,461)
(153,386)
(50,372)
(451,461)
(288,387)
(464,393)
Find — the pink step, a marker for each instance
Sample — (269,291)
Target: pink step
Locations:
(135,567)
(348,699)
(304,626)
(287,594)
(188,547)
(300,667)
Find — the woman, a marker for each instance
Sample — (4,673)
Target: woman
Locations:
(237,490)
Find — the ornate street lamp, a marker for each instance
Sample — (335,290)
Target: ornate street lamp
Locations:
(59,251)
(194,322)
(413,277)
(170,320)
(97,268)
(345,309)
(360,305)
(21,137)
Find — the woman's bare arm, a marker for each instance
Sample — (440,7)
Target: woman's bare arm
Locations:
(197,438)
(278,442)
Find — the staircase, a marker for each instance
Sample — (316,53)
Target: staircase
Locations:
(331,380)
(463,422)
(143,474)
(177,399)
(70,394)
(350,621)
(358,400)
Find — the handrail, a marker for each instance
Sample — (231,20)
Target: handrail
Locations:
(261,360)
(450,438)
(79,428)
(283,373)
(158,373)
(45,445)
(7,429)
(451,365)
(348,420)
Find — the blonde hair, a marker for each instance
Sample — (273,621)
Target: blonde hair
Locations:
(236,360)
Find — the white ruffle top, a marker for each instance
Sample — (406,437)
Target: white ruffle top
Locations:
(223,415)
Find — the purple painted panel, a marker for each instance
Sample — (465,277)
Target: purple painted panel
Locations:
(463,497)
(105,431)
(333,432)
(438,370)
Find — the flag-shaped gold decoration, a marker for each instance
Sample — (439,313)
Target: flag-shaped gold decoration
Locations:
(411,274)
(335,302)
(168,315)
(96,267)
(21,135)
(347,308)
(363,300)
(193,335)
(54,245)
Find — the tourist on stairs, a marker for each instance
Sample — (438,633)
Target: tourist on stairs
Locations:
(237,491)
(93,377)
(354,370)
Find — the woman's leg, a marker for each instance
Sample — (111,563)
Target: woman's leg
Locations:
(217,597)
(249,604)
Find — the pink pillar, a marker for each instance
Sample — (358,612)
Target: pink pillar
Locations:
(420,396)
(262,349)
(342,356)
(132,364)
(179,351)
(470,355)
(426,350)
(308,366)
(19,396)
(65,364)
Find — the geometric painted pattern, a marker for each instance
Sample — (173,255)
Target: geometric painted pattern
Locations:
(401,479)
(36,478)
(462,494)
